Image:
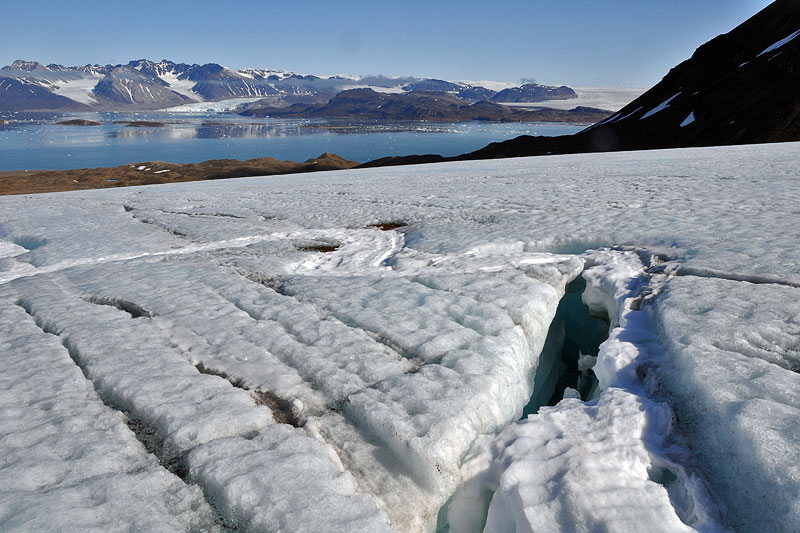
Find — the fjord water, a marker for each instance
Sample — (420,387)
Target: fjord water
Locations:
(33,141)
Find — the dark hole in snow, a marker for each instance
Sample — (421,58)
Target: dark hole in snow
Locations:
(320,246)
(573,340)
(679,496)
(387,226)
(135,310)
(29,242)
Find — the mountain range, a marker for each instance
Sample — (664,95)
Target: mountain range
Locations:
(738,88)
(144,84)
(367,104)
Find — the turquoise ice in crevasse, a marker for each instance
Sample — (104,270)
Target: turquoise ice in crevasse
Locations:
(33,141)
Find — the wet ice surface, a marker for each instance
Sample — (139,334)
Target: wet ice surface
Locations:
(351,351)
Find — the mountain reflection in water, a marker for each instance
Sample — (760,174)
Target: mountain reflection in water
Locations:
(33,141)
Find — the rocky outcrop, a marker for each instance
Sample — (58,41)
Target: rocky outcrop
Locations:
(78,122)
(476,94)
(532,92)
(155,172)
(431,84)
(421,105)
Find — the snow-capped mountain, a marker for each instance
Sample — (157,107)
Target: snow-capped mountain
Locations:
(128,86)
(144,84)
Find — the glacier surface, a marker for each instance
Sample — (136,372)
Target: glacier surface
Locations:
(359,350)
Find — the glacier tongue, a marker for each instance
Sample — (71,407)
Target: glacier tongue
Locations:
(156,338)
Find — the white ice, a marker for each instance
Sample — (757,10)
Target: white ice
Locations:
(608,98)
(352,350)
(220,106)
(780,43)
(660,107)
(183,87)
(79,89)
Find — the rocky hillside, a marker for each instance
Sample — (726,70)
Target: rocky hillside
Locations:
(20,96)
(159,172)
(126,85)
(532,92)
(421,105)
(738,88)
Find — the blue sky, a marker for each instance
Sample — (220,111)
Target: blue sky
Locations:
(628,43)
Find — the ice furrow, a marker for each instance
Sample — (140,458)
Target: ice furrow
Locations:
(283,411)
(161,225)
(99,476)
(758,279)
(148,380)
(238,242)
(360,304)
(377,471)
(136,311)
(203,422)
(201,215)
(325,314)
(301,354)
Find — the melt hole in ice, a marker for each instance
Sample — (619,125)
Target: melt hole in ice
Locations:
(318,246)
(680,497)
(387,226)
(29,242)
(572,344)
(135,310)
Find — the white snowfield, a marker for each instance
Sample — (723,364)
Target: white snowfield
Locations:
(374,350)
(608,98)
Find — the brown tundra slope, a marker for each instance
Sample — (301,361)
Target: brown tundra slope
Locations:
(27,182)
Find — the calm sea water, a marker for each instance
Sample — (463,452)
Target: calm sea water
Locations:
(32,141)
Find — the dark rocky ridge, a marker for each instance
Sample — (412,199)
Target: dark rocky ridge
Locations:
(433,85)
(734,89)
(78,122)
(532,92)
(366,104)
(476,94)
